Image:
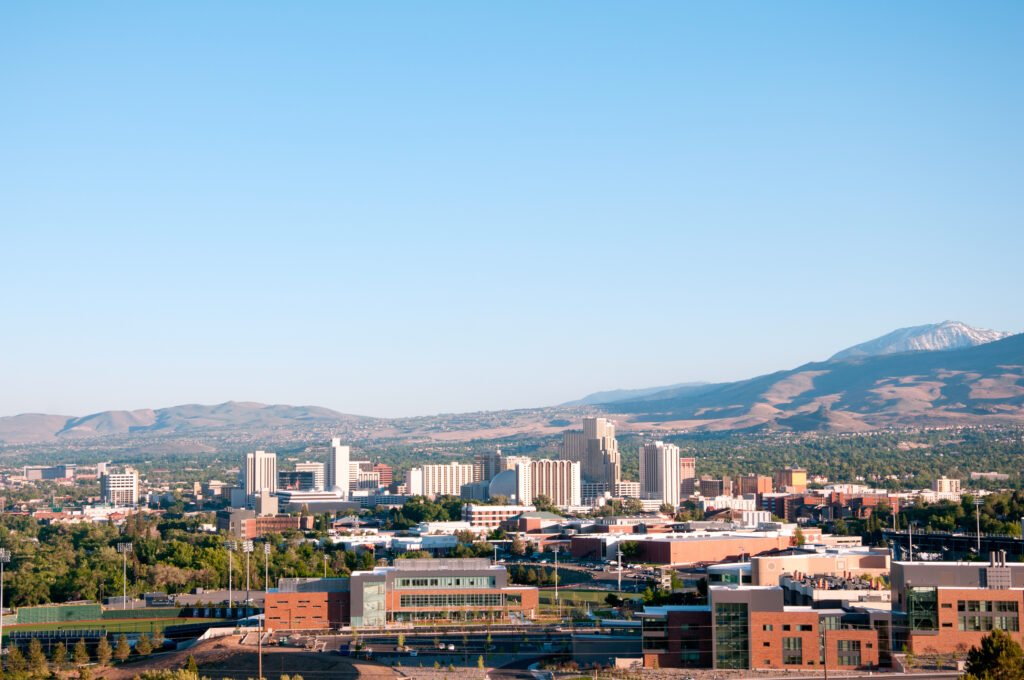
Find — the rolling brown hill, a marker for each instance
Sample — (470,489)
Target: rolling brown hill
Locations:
(976,385)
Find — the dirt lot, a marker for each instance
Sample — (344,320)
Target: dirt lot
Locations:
(226,658)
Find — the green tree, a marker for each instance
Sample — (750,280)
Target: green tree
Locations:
(103,651)
(630,549)
(84,673)
(123,650)
(80,655)
(37,663)
(144,647)
(799,538)
(16,663)
(401,640)
(998,658)
(518,545)
(192,667)
(480,662)
(59,656)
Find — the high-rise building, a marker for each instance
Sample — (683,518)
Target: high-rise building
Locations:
(488,464)
(319,473)
(524,480)
(260,473)
(355,469)
(386,474)
(712,488)
(337,469)
(439,480)
(559,480)
(120,488)
(510,462)
(296,480)
(793,480)
(659,472)
(595,448)
(687,475)
(755,484)
(946,485)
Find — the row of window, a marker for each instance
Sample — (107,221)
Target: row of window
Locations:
(453,600)
(802,627)
(446,582)
(976,623)
(984,606)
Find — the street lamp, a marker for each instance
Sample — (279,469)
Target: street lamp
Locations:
(125,549)
(230,547)
(247,549)
(5,557)
(263,618)
(558,602)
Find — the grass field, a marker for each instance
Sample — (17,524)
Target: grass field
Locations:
(110,625)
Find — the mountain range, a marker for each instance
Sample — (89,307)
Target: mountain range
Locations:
(869,386)
(933,375)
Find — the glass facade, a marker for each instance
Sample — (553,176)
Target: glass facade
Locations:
(374,606)
(923,608)
(732,635)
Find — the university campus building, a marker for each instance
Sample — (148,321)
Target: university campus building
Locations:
(412,590)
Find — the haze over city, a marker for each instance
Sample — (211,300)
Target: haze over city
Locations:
(453,207)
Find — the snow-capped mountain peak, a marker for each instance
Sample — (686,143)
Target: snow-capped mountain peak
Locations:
(927,338)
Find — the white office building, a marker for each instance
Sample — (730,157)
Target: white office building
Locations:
(121,489)
(439,480)
(319,473)
(338,469)
(659,472)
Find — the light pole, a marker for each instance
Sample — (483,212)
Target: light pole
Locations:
(124,549)
(230,547)
(263,619)
(978,502)
(247,549)
(325,564)
(558,602)
(5,557)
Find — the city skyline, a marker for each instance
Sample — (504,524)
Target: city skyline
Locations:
(392,212)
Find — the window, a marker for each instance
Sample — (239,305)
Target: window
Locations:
(806,627)
(786,626)
(923,608)
(792,651)
(767,627)
(849,652)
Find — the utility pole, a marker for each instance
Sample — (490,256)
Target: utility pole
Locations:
(824,651)
(977,516)
(247,549)
(910,540)
(124,549)
(5,557)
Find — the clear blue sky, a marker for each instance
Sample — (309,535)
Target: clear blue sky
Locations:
(409,208)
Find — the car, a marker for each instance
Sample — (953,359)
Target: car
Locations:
(440,645)
(451,647)
(413,652)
